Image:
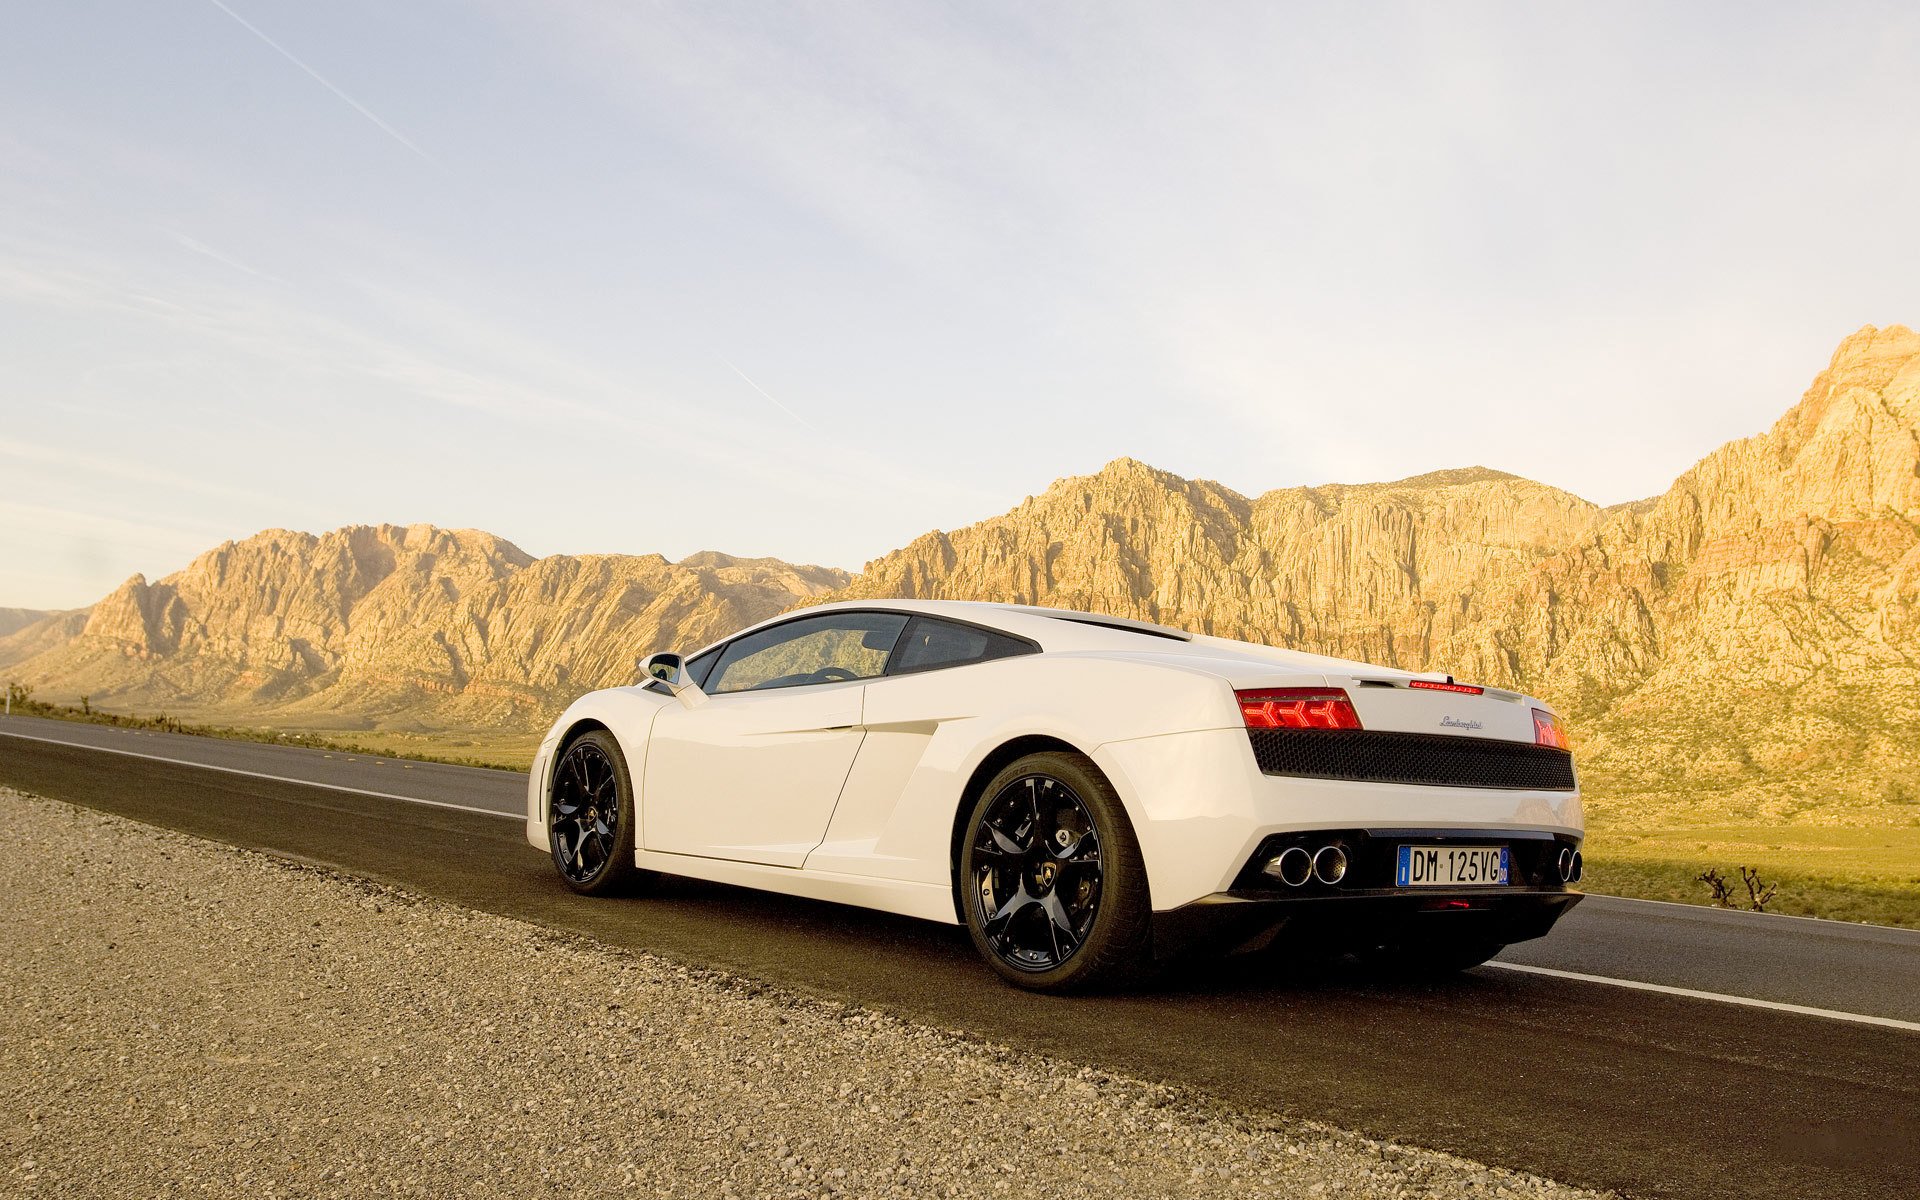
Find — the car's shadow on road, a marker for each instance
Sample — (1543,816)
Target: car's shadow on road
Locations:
(789,938)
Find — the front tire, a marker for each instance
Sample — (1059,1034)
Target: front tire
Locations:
(1052,882)
(590,820)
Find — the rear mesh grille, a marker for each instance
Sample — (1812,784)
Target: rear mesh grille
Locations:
(1428,759)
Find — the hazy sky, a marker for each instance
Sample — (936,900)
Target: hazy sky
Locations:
(811,279)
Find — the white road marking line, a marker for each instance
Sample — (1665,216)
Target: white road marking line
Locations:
(332,787)
(1666,990)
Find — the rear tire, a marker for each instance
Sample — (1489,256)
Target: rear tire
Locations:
(1052,883)
(590,817)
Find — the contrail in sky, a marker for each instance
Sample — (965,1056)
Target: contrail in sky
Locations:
(200,247)
(783,408)
(323,81)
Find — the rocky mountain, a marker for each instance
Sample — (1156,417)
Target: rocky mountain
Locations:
(1396,573)
(1749,640)
(400,627)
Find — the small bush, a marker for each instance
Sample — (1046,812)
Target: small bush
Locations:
(1759,892)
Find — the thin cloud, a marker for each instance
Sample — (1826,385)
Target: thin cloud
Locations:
(50,521)
(200,247)
(122,469)
(324,82)
(769,397)
(63,558)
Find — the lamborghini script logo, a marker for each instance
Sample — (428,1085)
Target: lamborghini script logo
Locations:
(1457,723)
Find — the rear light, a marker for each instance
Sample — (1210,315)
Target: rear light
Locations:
(1548,731)
(1297,708)
(1434,685)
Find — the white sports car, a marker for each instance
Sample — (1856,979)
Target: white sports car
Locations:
(1086,794)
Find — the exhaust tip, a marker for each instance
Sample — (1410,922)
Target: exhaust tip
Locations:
(1330,864)
(1565,864)
(1579,868)
(1292,866)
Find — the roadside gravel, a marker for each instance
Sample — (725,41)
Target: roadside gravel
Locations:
(180,1017)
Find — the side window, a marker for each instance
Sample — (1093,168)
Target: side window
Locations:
(823,649)
(699,668)
(930,645)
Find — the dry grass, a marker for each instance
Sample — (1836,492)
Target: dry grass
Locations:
(511,751)
(1844,874)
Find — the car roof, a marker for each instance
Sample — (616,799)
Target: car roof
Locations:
(1044,624)
(1073,631)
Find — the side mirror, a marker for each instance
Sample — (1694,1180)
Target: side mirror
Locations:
(667,668)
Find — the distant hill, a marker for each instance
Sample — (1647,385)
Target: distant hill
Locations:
(1747,643)
(12,620)
(410,627)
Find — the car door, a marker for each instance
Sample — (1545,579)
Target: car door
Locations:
(753,773)
(918,723)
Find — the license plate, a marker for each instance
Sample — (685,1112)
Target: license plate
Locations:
(1451,866)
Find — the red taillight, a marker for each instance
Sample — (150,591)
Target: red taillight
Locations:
(1434,685)
(1297,708)
(1548,731)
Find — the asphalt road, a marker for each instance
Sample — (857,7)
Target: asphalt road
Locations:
(1596,1084)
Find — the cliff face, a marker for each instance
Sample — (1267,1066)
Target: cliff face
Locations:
(1774,559)
(1750,637)
(1389,572)
(1747,642)
(399,626)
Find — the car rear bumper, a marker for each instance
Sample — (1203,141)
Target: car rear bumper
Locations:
(1366,907)
(1202,807)
(1230,922)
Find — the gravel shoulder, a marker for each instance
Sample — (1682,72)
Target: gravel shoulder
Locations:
(183,1017)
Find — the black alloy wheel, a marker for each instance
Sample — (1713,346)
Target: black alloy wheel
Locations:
(1037,865)
(590,815)
(1055,891)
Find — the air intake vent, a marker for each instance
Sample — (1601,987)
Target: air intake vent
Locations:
(1425,759)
